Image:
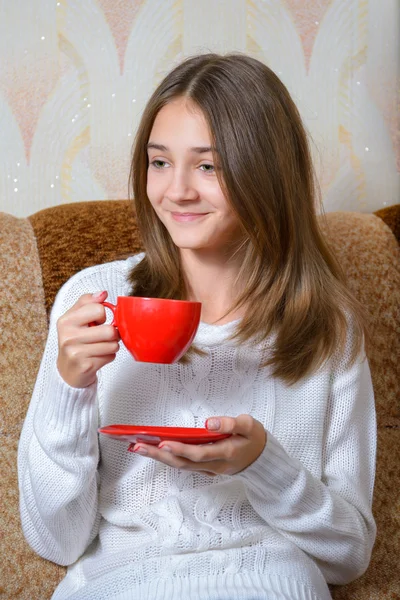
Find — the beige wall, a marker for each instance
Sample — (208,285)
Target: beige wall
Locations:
(75,74)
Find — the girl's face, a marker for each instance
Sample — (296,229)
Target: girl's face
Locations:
(182,183)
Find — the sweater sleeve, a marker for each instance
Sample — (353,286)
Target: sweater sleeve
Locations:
(330,517)
(58,456)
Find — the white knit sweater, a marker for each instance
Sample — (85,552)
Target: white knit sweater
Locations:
(131,528)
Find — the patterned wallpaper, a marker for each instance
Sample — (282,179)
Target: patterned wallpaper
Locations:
(75,75)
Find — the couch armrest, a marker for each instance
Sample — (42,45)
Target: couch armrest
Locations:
(23,332)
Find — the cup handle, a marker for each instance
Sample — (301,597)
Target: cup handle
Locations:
(111,307)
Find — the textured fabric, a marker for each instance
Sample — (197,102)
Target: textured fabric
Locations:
(26,576)
(23,332)
(370,257)
(391,216)
(299,514)
(382,579)
(71,237)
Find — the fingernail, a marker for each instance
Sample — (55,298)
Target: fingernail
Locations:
(165,448)
(213,424)
(98,295)
(141,450)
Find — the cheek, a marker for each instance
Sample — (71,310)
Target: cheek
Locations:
(153,189)
(227,213)
(219,200)
(230,223)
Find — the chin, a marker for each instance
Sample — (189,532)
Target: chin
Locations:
(188,241)
(187,245)
(192,242)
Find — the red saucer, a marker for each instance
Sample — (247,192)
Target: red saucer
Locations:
(155,435)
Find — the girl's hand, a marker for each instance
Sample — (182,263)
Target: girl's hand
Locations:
(226,457)
(83,350)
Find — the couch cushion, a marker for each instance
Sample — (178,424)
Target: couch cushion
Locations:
(71,237)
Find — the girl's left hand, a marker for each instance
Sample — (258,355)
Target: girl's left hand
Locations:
(225,457)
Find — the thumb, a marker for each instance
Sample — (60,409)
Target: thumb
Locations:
(99,296)
(241,425)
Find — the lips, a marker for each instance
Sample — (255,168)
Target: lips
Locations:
(187,217)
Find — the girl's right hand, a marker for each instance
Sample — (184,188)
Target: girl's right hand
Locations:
(83,350)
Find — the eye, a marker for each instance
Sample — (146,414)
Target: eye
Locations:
(207,168)
(159,164)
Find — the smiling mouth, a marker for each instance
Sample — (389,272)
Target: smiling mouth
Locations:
(187,216)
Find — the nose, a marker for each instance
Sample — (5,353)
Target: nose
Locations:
(181,187)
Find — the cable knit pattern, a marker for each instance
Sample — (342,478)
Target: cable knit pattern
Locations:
(130,528)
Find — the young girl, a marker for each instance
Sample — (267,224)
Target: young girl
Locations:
(224,198)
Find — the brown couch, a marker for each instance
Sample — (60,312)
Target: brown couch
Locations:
(39,253)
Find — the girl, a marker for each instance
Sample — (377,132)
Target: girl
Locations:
(224,198)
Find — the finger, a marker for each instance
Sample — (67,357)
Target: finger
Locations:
(79,316)
(104,348)
(80,353)
(244,425)
(103,333)
(168,458)
(95,298)
(241,425)
(90,335)
(221,450)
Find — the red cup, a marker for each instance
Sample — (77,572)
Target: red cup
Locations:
(156,330)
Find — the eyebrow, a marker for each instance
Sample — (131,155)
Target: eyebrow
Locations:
(196,149)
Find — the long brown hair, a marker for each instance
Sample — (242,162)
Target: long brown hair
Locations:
(293,285)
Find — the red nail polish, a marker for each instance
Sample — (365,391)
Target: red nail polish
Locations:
(140,450)
(165,448)
(98,295)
